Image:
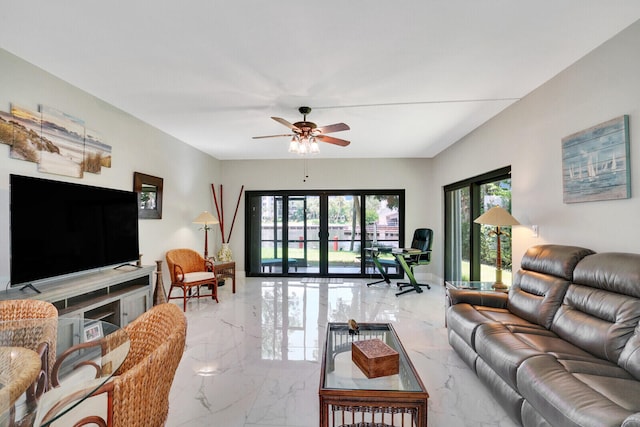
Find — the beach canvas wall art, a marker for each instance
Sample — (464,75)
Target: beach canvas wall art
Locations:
(67,134)
(27,142)
(97,154)
(595,163)
(57,142)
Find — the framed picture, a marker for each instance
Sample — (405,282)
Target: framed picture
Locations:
(93,331)
(595,163)
(149,189)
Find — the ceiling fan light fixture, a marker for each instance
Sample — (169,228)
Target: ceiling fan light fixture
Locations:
(304,135)
(314,148)
(293,145)
(303,147)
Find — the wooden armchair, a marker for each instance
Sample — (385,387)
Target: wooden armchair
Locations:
(189,270)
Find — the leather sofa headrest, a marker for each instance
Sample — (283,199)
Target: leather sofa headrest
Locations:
(556,260)
(614,272)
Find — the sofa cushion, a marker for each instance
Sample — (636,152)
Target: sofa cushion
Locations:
(630,357)
(614,272)
(554,260)
(465,319)
(598,321)
(540,284)
(536,297)
(502,350)
(576,399)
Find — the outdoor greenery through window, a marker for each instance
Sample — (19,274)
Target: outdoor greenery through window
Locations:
(470,251)
(320,233)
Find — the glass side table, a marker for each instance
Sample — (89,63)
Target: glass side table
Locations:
(473,285)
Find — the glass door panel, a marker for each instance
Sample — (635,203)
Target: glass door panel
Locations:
(302,236)
(382,218)
(497,193)
(271,235)
(344,237)
(458,234)
(470,249)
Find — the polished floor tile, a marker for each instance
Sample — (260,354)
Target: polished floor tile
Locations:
(254,359)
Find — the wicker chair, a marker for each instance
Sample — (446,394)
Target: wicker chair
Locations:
(31,324)
(189,270)
(141,388)
(138,395)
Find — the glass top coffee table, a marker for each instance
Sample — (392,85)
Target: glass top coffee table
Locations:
(349,398)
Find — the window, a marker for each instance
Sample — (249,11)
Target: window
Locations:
(470,252)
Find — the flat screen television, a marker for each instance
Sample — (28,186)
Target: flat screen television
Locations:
(58,228)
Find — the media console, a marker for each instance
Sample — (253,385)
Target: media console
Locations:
(116,296)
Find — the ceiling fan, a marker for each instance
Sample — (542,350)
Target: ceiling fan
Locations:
(306,135)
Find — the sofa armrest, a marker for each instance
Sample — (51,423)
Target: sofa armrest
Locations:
(487,299)
(632,420)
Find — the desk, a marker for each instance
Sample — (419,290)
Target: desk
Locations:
(226,270)
(401,254)
(85,361)
(374,255)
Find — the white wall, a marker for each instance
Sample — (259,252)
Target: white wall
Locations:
(136,147)
(412,175)
(603,85)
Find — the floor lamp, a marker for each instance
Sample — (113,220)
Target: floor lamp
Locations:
(206,219)
(497,217)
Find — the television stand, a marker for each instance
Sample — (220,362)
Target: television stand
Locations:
(115,296)
(127,264)
(30,286)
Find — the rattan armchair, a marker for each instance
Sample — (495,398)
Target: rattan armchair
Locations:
(138,395)
(189,272)
(28,330)
(31,324)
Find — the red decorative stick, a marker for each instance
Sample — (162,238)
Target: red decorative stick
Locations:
(215,200)
(221,213)
(235,213)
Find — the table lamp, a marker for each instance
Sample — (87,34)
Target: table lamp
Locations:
(206,219)
(498,217)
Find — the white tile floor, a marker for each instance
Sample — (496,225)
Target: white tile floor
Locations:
(254,358)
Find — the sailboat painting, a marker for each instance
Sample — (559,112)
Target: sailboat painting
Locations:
(595,163)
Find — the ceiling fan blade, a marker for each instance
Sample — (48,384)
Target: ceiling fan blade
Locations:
(333,128)
(272,136)
(332,140)
(287,124)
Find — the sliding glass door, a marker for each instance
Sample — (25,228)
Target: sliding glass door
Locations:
(470,251)
(321,233)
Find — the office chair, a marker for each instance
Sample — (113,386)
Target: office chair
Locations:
(418,254)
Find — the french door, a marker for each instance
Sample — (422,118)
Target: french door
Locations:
(319,233)
(470,252)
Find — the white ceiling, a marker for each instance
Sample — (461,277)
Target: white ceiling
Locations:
(212,72)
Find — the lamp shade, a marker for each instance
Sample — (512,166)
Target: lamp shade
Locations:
(206,218)
(496,216)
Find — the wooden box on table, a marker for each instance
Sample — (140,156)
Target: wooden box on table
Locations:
(375,358)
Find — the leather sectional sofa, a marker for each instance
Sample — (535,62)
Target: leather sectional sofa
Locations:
(562,348)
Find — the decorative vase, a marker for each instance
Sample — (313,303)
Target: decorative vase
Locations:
(224,254)
(159,294)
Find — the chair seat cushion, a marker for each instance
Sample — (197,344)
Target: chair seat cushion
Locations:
(198,276)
